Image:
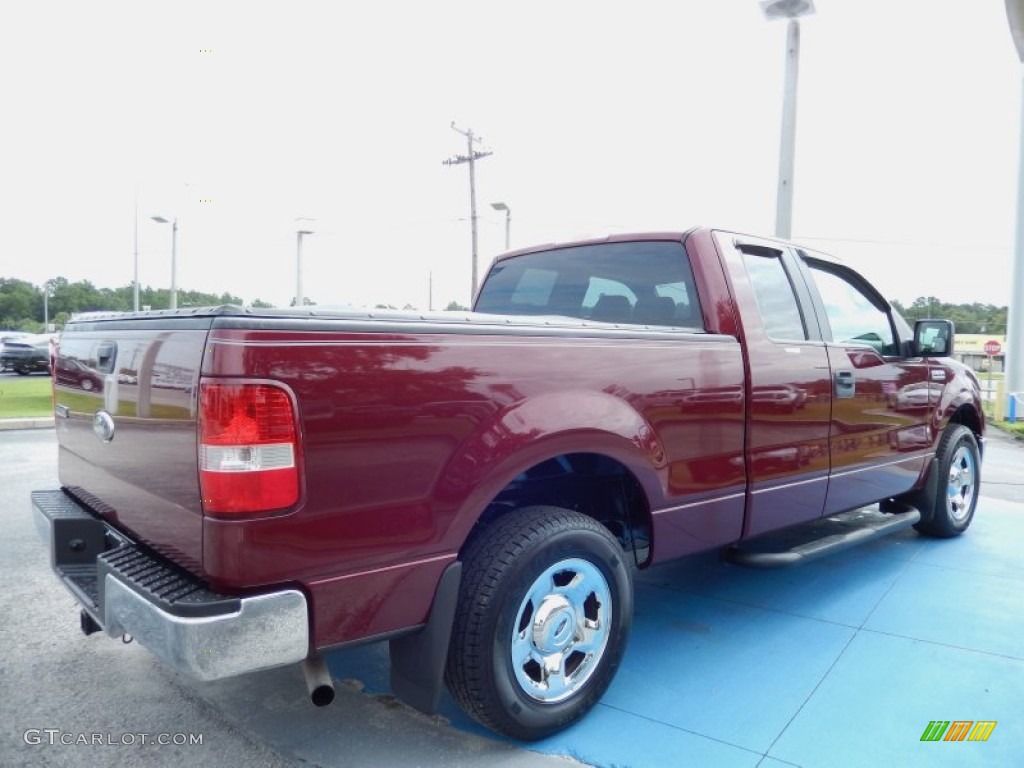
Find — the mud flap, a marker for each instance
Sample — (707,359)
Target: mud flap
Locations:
(418,659)
(926,498)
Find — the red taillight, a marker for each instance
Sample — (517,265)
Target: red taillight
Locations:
(248,448)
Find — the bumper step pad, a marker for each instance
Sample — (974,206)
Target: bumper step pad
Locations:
(85,549)
(174,590)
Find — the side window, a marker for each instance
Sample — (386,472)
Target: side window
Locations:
(776,300)
(854,318)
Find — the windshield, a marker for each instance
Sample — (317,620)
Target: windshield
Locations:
(646,282)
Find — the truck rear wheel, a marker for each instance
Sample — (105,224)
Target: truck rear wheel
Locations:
(958,462)
(544,611)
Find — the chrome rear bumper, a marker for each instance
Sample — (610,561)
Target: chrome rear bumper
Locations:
(128,590)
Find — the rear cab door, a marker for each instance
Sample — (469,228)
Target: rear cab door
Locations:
(788,381)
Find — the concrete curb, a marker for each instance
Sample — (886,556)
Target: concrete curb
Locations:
(42,422)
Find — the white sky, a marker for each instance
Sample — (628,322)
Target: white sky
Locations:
(602,116)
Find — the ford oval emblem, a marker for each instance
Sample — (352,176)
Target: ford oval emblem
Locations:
(103,426)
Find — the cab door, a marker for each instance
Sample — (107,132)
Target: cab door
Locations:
(788,385)
(879,438)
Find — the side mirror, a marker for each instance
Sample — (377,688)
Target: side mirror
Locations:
(933,338)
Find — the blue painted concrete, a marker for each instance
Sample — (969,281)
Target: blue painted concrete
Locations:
(840,662)
(876,702)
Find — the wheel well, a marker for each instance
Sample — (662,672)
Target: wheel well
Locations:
(590,483)
(967,416)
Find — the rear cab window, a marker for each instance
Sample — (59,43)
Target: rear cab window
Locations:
(648,282)
(776,299)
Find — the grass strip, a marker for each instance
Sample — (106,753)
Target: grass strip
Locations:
(25,397)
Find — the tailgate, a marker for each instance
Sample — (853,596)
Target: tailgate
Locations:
(125,402)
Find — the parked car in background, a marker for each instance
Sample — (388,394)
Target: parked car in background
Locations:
(75,373)
(6,336)
(26,355)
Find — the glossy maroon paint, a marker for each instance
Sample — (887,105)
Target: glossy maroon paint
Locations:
(877,448)
(406,438)
(145,479)
(410,426)
(788,413)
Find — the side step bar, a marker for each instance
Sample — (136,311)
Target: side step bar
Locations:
(817,538)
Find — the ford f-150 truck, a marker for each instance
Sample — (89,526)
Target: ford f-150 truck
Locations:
(249,488)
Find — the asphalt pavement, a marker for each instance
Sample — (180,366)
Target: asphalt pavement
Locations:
(57,685)
(1002,469)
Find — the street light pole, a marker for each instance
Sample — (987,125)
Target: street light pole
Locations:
(300,298)
(135,280)
(1014,360)
(508,220)
(792,10)
(174,256)
(174,263)
(787,144)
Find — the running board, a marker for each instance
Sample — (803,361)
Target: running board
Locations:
(817,538)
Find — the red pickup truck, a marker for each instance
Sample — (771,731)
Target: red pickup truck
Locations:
(244,489)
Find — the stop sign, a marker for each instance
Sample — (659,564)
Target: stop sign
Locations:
(993,348)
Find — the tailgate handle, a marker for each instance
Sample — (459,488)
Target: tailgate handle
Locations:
(845,384)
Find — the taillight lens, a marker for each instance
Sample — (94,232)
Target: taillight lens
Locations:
(248,448)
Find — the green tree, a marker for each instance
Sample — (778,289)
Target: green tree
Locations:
(968,318)
(18,302)
(454,306)
(21,302)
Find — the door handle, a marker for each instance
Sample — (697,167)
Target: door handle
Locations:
(845,384)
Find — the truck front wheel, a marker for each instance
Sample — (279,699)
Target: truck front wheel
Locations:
(544,611)
(958,462)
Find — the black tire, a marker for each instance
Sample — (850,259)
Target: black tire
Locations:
(22,371)
(958,463)
(521,558)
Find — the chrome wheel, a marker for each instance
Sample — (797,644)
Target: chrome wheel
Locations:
(961,486)
(947,505)
(545,606)
(561,630)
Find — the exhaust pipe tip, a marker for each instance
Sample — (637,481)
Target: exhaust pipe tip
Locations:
(319,682)
(322,695)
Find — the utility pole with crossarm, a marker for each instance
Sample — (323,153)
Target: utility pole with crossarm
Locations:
(471,156)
